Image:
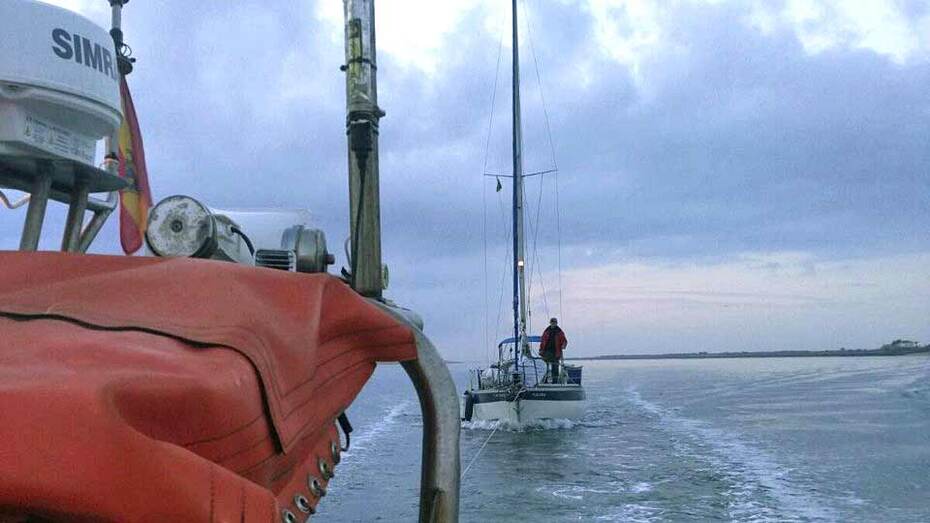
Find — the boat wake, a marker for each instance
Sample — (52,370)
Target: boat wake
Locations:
(752,473)
(544,424)
(365,437)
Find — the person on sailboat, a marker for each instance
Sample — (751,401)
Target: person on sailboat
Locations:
(551,344)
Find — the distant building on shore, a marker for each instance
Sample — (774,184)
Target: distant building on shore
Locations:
(902,344)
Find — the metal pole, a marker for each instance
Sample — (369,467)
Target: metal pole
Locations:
(362,118)
(116,23)
(116,15)
(519,261)
(103,209)
(439,405)
(76,238)
(35,214)
(72,236)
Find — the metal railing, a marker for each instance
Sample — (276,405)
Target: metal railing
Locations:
(439,406)
(66,182)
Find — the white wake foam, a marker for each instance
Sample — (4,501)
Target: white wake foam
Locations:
(363,438)
(751,470)
(543,424)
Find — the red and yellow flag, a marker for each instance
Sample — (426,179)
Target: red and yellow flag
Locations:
(136,199)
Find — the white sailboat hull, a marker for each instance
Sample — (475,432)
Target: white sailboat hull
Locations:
(536,404)
(528,411)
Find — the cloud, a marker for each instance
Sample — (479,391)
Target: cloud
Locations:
(417,33)
(96,11)
(687,134)
(892,29)
(752,302)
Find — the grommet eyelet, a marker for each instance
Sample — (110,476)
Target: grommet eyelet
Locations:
(288,517)
(325,470)
(315,488)
(334,450)
(303,504)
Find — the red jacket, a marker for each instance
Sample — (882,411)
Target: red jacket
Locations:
(559,341)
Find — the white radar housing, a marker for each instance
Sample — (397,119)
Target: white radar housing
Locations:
(59,84)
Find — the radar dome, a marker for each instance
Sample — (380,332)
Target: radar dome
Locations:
(59,84)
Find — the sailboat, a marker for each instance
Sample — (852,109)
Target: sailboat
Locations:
(518,389)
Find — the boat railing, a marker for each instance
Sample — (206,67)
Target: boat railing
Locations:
(65,181)
(532,359)
(439,407)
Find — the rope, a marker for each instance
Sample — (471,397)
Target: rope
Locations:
(481,448)
(504,274)
(536,245)
(558,234)
(497,72)
(484,200)
(558,210)
(14,205)
(536,267)
(484,216)
(542,97)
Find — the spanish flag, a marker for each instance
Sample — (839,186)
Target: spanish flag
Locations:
(136,199)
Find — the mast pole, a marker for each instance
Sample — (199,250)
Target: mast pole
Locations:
(519,281)
(362,117)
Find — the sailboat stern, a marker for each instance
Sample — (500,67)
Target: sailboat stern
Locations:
(531,405)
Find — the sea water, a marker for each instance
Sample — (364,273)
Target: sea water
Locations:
(768,439)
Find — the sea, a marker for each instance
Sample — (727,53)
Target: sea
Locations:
(742,439)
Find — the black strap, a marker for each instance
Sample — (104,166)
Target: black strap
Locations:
(361,60)
(346,429)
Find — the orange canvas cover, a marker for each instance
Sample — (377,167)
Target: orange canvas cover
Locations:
(147,389)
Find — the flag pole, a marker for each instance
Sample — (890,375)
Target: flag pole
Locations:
(124,62)
(125,147)
(103,208)
(111,142)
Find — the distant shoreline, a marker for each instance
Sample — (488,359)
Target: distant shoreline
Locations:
(887,350)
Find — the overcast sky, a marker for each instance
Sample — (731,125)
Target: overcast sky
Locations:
(733,175)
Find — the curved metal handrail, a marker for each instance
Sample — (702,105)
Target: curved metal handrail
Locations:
(439,405)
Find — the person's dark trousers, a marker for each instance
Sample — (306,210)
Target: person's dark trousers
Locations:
(554,371)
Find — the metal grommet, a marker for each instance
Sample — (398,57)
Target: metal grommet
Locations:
(334,450)
(325,470)
(315,488)
(303,504)
(288,517)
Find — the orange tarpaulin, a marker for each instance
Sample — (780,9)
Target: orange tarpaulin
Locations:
(143,389)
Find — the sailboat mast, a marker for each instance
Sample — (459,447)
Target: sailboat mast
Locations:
(519,261)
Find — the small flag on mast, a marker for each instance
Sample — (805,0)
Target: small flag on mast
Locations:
(136,199)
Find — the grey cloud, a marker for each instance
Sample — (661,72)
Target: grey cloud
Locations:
(744,142)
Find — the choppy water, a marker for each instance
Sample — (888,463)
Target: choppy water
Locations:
(787,439)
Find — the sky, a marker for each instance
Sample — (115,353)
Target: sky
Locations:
(732,175)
